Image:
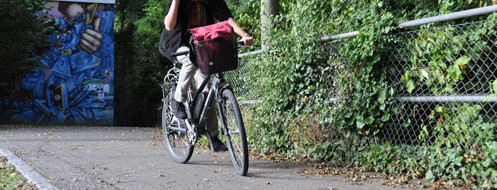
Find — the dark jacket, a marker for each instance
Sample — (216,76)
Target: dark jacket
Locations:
(171,40)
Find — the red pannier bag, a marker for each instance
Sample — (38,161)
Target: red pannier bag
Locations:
(215,48)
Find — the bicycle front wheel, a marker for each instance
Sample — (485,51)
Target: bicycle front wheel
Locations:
(175,134)
(234,132)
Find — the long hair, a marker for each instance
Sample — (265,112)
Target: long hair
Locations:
(197,14)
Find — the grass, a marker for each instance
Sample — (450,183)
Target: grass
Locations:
(10,179)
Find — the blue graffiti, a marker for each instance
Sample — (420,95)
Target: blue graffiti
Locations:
(72,85)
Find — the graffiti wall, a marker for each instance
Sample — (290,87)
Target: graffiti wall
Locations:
(74,83)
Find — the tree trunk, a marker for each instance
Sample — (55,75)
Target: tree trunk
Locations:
(268,8)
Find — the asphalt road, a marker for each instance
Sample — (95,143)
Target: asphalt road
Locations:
(136,158)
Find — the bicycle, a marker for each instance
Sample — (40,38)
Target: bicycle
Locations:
(182,135)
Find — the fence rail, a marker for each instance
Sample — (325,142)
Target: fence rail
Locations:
(418,22)
(470,99)
(412,23)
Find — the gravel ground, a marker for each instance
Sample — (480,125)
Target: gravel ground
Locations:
(136,158)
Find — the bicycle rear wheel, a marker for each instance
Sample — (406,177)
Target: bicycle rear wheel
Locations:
(234,132)
(175,133)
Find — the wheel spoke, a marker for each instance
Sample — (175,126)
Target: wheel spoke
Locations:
(175,135)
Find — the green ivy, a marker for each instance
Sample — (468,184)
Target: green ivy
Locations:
(433,60)
(294,76)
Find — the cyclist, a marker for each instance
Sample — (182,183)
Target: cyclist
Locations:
(181,15)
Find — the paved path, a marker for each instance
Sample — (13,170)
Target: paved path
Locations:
(136,158)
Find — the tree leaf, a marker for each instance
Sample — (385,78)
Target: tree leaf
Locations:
(385,117)
(424,74)
(439,109)
(455,72)
(360,124)
(462,61)
(369,120)
(382,96)
(430,176)
(376,58)
(410,86)
(494,86)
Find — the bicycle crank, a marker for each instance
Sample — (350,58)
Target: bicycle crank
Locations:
(192,134)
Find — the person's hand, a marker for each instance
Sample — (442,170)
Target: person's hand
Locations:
(247,40)
(91,40)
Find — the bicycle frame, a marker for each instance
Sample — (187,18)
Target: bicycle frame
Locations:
(213,92)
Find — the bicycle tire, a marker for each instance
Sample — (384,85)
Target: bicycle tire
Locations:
(234,131)
(177,142)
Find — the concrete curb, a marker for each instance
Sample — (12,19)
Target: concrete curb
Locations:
(31,175)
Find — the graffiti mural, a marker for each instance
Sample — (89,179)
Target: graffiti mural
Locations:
(74,83)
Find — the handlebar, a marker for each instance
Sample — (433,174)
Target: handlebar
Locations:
(180,53)
(239,44)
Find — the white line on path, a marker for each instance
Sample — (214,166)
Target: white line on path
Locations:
(31,175)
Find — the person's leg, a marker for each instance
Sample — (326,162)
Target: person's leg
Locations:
(213,129)
(185,76)
(211,117)
(184,79)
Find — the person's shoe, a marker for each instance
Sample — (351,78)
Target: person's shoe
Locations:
(218,145)
(178,109)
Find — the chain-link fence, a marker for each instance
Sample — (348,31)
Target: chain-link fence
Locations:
(240,80)
(455,101)
(442,103)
